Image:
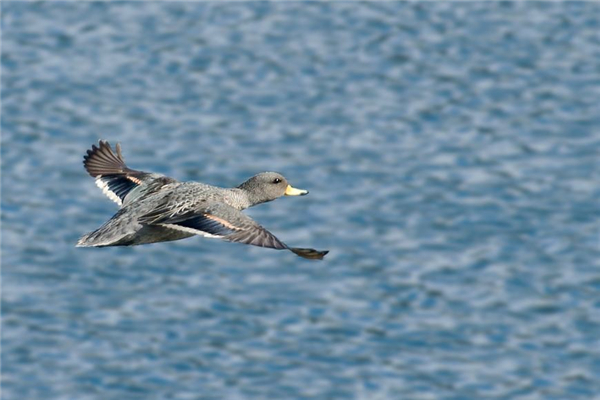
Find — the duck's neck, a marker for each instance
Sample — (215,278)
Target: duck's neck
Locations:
(243,198)
(238,198)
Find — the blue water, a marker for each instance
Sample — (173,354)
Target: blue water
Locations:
(452,157)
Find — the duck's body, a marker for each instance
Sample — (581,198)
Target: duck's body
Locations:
(156,208)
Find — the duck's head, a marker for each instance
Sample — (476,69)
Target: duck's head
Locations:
(268,186)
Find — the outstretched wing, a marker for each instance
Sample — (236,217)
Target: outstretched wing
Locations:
(116,180)
(222,221)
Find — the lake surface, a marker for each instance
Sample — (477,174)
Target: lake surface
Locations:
(452,157)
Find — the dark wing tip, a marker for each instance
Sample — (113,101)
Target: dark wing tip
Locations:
(101,160)
(310,254)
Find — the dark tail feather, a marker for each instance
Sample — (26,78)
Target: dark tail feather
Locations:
(310,254)
(103,161)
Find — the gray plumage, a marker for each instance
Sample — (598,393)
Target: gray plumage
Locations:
(156,208)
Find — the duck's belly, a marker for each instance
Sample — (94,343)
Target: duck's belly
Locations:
(152,234)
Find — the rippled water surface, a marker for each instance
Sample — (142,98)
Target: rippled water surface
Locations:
(452,155)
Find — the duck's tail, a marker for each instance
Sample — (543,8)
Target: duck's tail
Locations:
(114,232)
(86,241)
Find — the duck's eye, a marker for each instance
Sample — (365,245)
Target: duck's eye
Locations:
(276,180)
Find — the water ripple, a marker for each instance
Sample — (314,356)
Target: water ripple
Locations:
(451,153)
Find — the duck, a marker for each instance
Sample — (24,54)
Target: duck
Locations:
(156,208)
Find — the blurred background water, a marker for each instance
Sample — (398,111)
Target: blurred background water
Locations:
(452,155)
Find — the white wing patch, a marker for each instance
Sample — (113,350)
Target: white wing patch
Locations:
(109,193)
(190,230)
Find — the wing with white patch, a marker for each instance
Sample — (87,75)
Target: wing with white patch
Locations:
(116,180)
(116,187)
(213,219)
(222,221)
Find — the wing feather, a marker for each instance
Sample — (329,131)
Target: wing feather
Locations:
(113,176)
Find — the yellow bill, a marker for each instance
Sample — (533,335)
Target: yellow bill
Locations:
(290,191)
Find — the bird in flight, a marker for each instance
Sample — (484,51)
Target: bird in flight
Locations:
(156,208)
